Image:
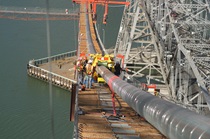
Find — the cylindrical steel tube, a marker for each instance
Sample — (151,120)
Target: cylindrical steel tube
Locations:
(170,119)
(88,35)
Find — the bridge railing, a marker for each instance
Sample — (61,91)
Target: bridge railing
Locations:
(53,58)
(34,70)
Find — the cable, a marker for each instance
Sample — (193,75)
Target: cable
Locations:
(50,69)
(75,31)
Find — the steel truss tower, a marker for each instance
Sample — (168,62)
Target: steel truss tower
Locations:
(168,41)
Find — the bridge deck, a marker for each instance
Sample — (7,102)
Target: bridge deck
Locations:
(82,32)
(98,122)
(96,103)
(96,119)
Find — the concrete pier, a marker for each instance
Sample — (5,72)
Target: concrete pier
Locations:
(60,69)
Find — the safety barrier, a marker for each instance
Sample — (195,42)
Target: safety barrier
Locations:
(45,75)
(53,58)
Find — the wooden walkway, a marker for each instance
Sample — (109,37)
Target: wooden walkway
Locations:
(97,122)
(82,32)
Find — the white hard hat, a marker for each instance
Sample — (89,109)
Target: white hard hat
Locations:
(90,61)
(109,65)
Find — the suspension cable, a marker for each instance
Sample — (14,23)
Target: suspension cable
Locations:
(50,69)
(75,31)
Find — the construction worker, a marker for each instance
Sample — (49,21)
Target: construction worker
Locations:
(117,68)
(89,72)
(95,74)
(85,61)
(79,67)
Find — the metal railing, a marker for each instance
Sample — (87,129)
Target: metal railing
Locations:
(53,58)
(45,75)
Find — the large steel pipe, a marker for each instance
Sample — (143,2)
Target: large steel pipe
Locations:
(90,44)
(170,119)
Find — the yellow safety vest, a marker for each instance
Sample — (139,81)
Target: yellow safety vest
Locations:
(88,69)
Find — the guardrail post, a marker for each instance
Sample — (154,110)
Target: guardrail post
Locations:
(73,102)
(74,109)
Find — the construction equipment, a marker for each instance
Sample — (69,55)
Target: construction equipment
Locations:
(150,88)
(106,60)
(98,60)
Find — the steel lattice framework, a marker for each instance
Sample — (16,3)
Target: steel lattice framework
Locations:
(168,41)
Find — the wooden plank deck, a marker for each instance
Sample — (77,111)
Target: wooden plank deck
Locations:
(82,32)
(96,121)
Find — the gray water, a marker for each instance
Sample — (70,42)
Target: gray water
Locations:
(24,101)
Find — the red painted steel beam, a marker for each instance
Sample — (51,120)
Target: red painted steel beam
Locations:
(101,2)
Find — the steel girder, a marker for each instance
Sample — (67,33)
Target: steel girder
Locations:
(169,38)
(139,45)
(183,27)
